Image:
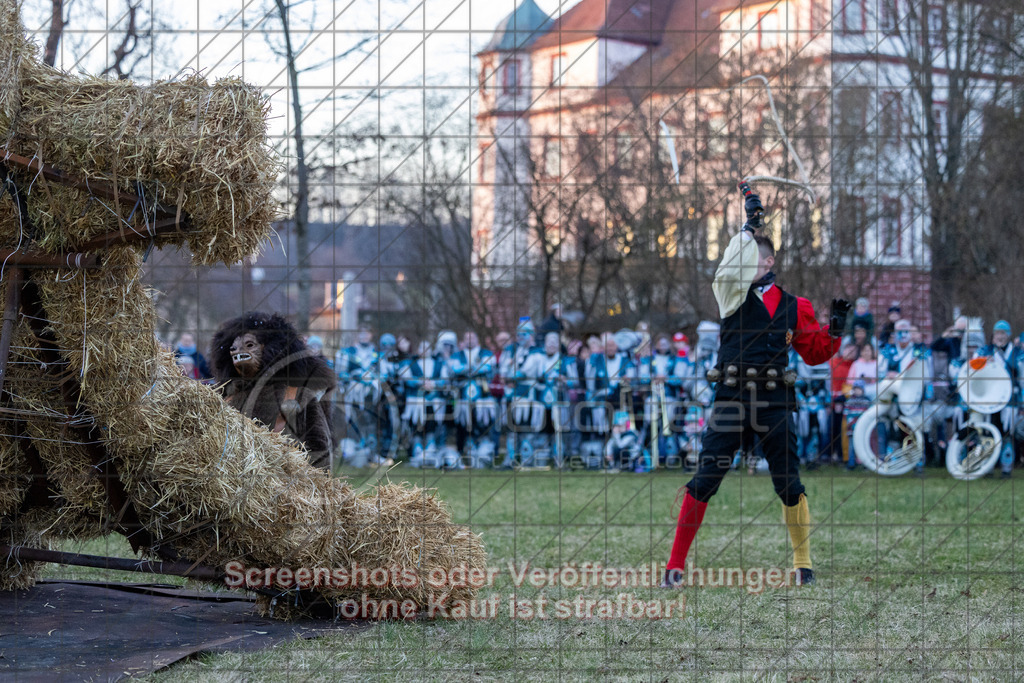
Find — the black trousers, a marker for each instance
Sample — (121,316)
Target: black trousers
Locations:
(733,425)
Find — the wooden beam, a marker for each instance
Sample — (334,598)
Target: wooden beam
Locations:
(11,305)
(186,569)
(96,188)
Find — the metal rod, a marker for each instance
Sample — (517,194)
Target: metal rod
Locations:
(160,228)
(12,302)
(38,258)
(99,188)
(184,569)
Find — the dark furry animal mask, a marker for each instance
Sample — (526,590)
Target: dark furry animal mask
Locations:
(275,338)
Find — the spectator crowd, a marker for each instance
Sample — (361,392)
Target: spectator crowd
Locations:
(625,401)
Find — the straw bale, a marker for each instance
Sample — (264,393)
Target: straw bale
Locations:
(14,477)
(15,50)
(228,487)
(217,485)
(194,146)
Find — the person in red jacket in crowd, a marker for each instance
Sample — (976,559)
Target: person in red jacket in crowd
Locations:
(840,369)
(754,396)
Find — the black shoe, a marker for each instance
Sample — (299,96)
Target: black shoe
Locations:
(1005,475)
(673,579)
(806,576)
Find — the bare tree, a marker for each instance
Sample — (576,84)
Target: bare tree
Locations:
(130,51)
(56,30)
(954,59)
(133,29)
(429,196)
(291,48)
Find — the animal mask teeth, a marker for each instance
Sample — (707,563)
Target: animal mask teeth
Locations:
(241,357)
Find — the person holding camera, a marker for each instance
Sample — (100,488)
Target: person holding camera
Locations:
(754,396)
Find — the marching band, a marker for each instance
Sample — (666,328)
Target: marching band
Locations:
(624,400)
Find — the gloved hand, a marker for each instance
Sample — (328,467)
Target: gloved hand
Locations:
(837,317)
(753,207)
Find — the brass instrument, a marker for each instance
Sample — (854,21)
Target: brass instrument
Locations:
(655,454)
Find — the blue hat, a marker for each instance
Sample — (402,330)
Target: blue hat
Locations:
(525,326)
(621,417)
(1002,326)
(387,339)
(315,341)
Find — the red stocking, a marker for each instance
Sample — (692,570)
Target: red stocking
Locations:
(691,514)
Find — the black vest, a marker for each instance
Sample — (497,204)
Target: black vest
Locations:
(750,337)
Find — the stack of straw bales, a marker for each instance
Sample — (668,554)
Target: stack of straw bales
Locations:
(221,486)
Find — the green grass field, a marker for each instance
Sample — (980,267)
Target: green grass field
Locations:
(917,579)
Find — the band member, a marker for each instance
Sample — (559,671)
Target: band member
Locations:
(475,409)
(622,451)
(754,396)
(357,370)
(425,377)
(518,404)
(552,374)
(657,377)
(609,376)
(897,357)
(1003,350)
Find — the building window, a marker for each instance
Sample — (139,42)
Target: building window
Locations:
(889,236)
(853,16)
(715,224)
(850,223)
(588,153)
(937,25)
(939,120)
(718,132)
(558,65)
(485,69)
(852,110)
(890,115)
(996,31)
(552,157)
(768,30)
(888,16)
(819,15)
(624,149)
(510,77)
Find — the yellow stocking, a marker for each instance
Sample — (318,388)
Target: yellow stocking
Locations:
(798,521)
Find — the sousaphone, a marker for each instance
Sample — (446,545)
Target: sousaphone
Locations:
(985,388)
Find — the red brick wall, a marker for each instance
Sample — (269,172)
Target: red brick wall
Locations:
(908,286)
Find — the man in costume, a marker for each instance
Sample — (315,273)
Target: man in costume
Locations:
(656,375)
(552,374)
(475,409)
(518,391)
(425,376)
(358,371)
(609,378)
(754,397)
(1003,350)
(896,358)
(267,372)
